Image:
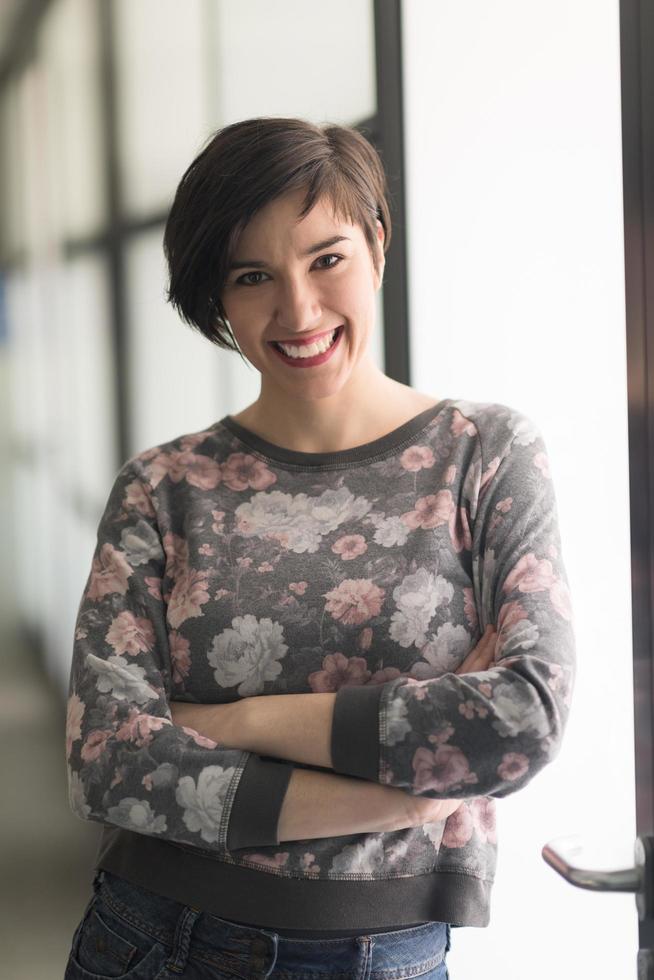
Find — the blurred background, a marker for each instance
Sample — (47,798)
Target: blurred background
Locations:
(499,126)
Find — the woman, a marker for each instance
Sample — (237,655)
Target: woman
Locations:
(321,636)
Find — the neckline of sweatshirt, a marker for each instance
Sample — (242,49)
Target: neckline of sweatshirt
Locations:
(365,453)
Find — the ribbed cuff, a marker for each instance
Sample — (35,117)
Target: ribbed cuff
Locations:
(355,731)
(259,797)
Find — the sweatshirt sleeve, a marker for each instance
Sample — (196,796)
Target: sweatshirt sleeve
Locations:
(489,732)
(128,764)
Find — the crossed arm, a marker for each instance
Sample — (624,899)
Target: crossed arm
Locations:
(296,727)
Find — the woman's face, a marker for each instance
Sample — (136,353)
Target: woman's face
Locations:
(287,289)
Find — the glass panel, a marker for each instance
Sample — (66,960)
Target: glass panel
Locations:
(70,62)
(292,59)
(179,382)
(161,96)
(516,265)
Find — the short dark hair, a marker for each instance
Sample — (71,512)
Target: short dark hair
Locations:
(243,167)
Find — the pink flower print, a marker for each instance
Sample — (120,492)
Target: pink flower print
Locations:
(430,511)
(206,549)
(444,735)
(130,634)
(460,425)
(94,745)
(307,863)
(180,656)
(117,777)
(139,728)
(192,440)
(443,769)
(154,586)
(541,460)
(191,591)
(513,765)
(467,709)
(207,743)
(176,549)
(242,471)
(136,497)
(482,811)
(277,860)
(354,601)
(339,671)
(109,573)
(74,714)
(365,638)
(530,574)
(560,596)
(488,475)
(350,546)
(385,674)
(417,458)
(243,562)
(460,529)
(198,471)
(221,593)
(450,473)
(265,566)
(510,614)
(147,780)
(504,505)
(159,466)
(485,688)
(470,608)
(218,526)
(298,587)
(458,828)
(556,676)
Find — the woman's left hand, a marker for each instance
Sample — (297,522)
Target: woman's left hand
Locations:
(215,721)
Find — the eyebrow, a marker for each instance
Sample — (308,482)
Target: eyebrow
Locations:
(318,247)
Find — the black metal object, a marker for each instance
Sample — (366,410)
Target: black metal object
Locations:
(389,141)
(637,80)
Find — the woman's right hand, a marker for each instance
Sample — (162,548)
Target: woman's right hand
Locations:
(480,657)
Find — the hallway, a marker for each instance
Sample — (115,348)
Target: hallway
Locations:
(47,852)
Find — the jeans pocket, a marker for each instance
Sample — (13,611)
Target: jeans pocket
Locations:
(107,947)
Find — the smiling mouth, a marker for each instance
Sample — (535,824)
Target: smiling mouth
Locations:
(309,360)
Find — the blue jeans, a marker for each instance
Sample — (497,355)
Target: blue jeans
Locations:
(128,933)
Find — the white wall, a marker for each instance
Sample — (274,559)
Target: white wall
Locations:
(516,282)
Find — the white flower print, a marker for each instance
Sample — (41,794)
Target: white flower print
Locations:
(203,804)
(76,795)
(524,428)
(248,654)
(391,532)
(298,521)
(397,724)
(443,653)
(360,859)
(123,680)
(520,710)
(137,815)
(417,598)
(141,544)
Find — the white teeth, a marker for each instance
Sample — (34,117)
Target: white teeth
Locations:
(309,350)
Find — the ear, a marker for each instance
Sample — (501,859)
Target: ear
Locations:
(382,258)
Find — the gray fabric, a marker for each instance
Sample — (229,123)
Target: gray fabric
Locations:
(229,567)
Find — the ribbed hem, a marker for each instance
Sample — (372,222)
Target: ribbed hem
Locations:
(232,892)
(355,731)
(255,811)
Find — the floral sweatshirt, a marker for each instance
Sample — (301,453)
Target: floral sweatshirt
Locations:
(228,567)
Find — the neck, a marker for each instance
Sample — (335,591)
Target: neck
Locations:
(352,417)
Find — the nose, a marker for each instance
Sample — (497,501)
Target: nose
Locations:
(297,308)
